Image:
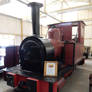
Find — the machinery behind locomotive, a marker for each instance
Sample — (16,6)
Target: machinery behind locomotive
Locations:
(65,44)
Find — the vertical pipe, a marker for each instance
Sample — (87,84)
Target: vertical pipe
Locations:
(41,30)
(45,6)
(21,22)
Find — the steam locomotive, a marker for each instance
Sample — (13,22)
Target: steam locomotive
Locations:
(65,44)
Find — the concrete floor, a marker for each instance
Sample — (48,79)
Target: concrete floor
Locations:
(4,87)
(77,82)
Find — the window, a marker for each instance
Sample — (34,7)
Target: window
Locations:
(75,33)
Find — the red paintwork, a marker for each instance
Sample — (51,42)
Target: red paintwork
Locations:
(81,32)
(79,50)
(67,33)
(15,78)
(58,85)
(42,86)
(69,54)
(57,47)
(55,87)
(55,36)
(65,29)
(38,83)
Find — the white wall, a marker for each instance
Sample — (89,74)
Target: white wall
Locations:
(9,25)
(43,31)
(12,26)
(27,28)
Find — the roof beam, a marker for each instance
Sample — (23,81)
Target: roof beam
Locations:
(53,2)
(66,2)
(83,7)
(51,16)
(45,3)
(86,20)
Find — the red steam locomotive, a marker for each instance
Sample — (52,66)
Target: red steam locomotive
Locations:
(65,44)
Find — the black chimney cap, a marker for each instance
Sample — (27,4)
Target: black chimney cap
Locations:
(35,4)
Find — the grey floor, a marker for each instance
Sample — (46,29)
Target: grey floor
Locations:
(77,82)
(4,87)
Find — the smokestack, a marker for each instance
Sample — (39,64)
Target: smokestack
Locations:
(35,17)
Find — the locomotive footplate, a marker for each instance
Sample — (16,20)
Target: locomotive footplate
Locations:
(34,82)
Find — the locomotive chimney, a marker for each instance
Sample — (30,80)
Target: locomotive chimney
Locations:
(35,17)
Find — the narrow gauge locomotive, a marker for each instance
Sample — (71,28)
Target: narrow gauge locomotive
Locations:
(65,44)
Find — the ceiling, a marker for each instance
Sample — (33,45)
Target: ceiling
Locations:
(51,12)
